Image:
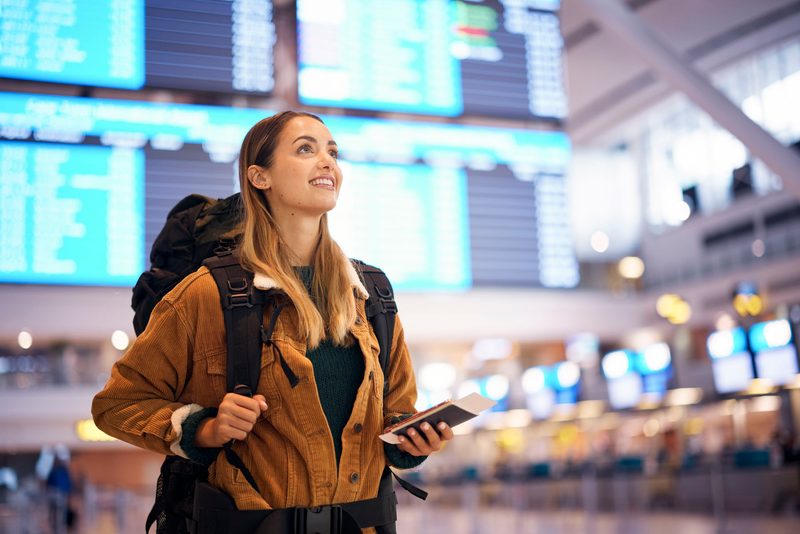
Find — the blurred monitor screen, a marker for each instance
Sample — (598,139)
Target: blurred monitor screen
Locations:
(542,403)
(87,184)
(778,365)
(625,392)
(224,46)
(436,57)
(732,373)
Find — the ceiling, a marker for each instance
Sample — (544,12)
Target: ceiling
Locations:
(608,83)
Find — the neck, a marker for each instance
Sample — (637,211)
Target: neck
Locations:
(300,234)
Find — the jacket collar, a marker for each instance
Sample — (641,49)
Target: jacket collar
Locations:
(264,282)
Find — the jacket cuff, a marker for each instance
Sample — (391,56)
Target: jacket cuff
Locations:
(185,421)
(394,456)
(400,459)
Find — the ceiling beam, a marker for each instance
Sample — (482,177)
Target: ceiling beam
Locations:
(620,21)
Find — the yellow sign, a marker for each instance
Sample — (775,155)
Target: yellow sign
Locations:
(86,430)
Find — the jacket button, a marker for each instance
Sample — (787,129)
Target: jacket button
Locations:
(354,477)
(358,320)
(358,428)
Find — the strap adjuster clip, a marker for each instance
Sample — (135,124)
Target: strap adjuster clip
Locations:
(319,519)
(238,300)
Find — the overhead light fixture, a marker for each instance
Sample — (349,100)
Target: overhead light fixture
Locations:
(25,339)
(120,340)
(631,267)
(599,241)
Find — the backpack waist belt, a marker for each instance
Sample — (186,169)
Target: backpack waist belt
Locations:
(216,513)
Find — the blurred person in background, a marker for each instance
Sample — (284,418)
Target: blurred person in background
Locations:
(59,489)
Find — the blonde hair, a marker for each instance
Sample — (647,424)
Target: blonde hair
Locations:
(263,250)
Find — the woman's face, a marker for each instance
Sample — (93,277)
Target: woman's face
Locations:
(304,177)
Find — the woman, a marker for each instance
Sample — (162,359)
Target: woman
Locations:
(308,445)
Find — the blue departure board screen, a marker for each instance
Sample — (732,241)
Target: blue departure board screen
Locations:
(73,41)
(202,45)
(439,57)
(422,208)
(71,214)
(438,206)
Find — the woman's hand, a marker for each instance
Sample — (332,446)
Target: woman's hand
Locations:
(427,441)
(235,419)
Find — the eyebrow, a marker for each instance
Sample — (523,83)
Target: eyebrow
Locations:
(313,140)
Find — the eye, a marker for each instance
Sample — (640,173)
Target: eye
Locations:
(334,154)
(305,148)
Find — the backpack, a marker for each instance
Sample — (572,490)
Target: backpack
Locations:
(204,231)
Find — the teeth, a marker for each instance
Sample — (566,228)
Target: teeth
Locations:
(322,181)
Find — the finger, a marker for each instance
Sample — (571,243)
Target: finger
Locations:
(406,445)
(236,423)
(230,433)
(431,436)
(418,440)
(239,412)
(445,432)
(245,402)
(262,402)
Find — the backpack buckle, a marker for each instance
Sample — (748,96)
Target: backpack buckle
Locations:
(238,300)
(319,519)
(225,246)
(389,305)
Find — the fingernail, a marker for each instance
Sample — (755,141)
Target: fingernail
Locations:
(411,432)
(401,439)
(442,426)
(425,426)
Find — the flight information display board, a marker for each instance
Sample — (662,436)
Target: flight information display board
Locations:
(70,214)
(425,213)
(498,58)
(442,207)
(201,45)
(210,45)
(73,41)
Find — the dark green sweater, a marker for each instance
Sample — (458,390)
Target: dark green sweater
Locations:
(338,372)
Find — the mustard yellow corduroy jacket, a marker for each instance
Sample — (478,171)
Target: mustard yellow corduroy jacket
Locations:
(176,367)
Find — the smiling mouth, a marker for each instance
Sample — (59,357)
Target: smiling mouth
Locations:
(323,181)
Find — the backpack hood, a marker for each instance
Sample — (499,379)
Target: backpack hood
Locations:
(264,282)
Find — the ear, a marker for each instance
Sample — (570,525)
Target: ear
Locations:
(259,177)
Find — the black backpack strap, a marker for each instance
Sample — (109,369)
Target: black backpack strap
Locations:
(243,310)
(381,311)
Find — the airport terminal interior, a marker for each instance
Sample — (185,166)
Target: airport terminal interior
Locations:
(589,211)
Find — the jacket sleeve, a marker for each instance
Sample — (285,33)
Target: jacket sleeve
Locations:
(399,402)
(139,403)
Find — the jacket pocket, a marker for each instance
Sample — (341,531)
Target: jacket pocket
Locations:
(210,379)
(216,367)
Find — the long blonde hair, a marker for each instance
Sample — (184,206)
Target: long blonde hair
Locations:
(263,250)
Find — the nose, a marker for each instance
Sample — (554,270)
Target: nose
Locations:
(326,161)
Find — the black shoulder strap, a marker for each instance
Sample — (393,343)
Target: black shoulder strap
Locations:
(381,310)
(243,310)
